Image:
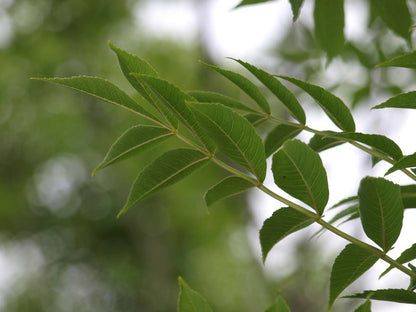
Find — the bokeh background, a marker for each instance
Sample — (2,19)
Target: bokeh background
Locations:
(61,246)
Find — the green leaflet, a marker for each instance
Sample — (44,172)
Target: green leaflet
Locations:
(287,98)
(227,187)
(103,90)
(381,210)
(280,134)
(213,97)
(130,63)
(165,170)
(189,300)
(282,223)
(244,84)
(133,141)
(350,264)
(407,60)
(365,307)
(396,15)
(405,100)
(255,119)
(234,135)
(405,162)
(395,295)
(408,195)
(296,6)
(279,306)
(299,171)
(332,105)
(250,2)
(329,25)
(345,201)
(175,99)
(377,141)
(408,255)
(321,143)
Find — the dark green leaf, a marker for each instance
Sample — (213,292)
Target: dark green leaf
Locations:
(244,84)
(407,60)
(333,106)
(405,100)
(280,134)
(296,6)
(409,195)
(279,306)
(213,97)
(175,99)
(234,135)
(162,172)
(377,141)
(228,187)
(321,143)
(133,141)
(350,264)
(256,119)
(287,98)
(299,171)
(103,90)
(412,285)
(329,25)
(395,295)
(408,255)
(282,223)
(190,301)
(250,2)
(365,307)
(345,201)
(405,162)
(381,210)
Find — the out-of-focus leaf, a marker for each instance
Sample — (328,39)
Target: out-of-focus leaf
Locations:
(365,307)
(133,141)
(395,295)
(345,201)
(234,135)
(296,6)
(405,162)
(350,264)
(405,100)
(381,210)
(244,84)
(332,105)
(287,98)
(407,60)
(213,97)
(165,170)
(359,95)
(227,187)
(299,171)
(343,213)
(189,300)
(329,25)
(321,143)
(412,285)
(279,306)
(280,134)
(408,255)
(282,223)
(250,2)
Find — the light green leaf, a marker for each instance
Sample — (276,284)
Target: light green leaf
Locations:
(250,2)
(130,63)
(381,210)
(133,141)
(228,187)
(321,143)
(279,306)
(296,6)
(234,135)
(280,134)
(403,163)
(165,170)
(213,97)
(350,264)
(343,213)
(333,106)
(408,195)
(395,295)
(103,90)
(407,60)
(396,15)
(365,307)
(190,301)
(244,84)
(282,223)
(408,255)
(287,98)
(175,99)
(377,141)
(329,25)
(299,171)
(405,100)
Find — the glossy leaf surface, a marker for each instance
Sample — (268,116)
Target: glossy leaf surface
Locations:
(404,100)
(395,295)
(190,301)
(227,187)
(280,134)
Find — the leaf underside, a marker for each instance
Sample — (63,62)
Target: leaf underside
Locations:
(213,97)
(227,187)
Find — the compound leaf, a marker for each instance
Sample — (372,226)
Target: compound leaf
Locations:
(280,134)
(407,60)
(189,300)
(321,143)
(299,171)
(228,187)
(165,170)
(405,100)
(381,210)
(405,162)
(408,255)
(395,295)
(213,97)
